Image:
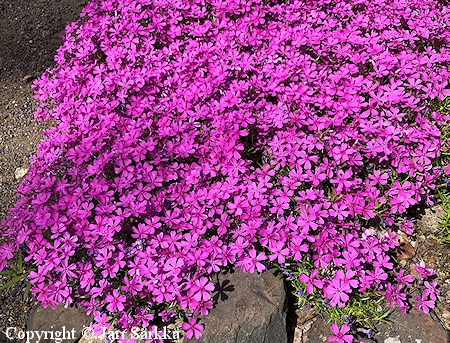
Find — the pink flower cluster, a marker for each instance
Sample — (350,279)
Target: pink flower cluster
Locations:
(194,135)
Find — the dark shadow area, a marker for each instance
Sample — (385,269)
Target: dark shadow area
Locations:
(221,289)
(290,308)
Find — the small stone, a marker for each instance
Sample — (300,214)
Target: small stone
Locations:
(20,172)
(405,250)
(305,319)
(298,336)
(27,78)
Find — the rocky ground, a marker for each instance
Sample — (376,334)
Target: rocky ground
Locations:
(30,34)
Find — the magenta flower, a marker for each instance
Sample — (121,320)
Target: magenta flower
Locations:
(423,271)
(383,261)
(296,247)
(115,301)
(340,334)
(193,328)
(337,290)
(394,295)
(431,290)
(311,281)
(278,252)
(378,177)
(342,180)
(404,279)
(252,261)
(201,289)
(423,304)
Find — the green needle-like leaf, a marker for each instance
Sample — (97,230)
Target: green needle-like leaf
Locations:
(11,282)
(20,262)
(27,290)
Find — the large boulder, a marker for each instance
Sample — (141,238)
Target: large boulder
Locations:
(254,310)
(67,322)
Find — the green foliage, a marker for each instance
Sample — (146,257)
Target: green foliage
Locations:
(442,191)
(17,273)
(365,309)
(443,195)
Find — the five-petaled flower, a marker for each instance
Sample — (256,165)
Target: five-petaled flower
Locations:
(311,281)
(193,328)
(340,334)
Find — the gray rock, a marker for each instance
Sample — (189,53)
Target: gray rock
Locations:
(305,319)
(253,310)
(414,327)
(443,314)
(67,322)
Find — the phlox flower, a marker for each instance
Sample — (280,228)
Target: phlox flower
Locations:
(382,261)
(115,301)
(423,271)
(342,180)
(431,290)
(201,289)
(253,261)
(311,281)
(378,177)
(365,282)
(193,328)
(347,277)
(101,324)
(296,247)
(278,252)
(337,291)
(423,304)
(407,280)
(340,334)
(394,296)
